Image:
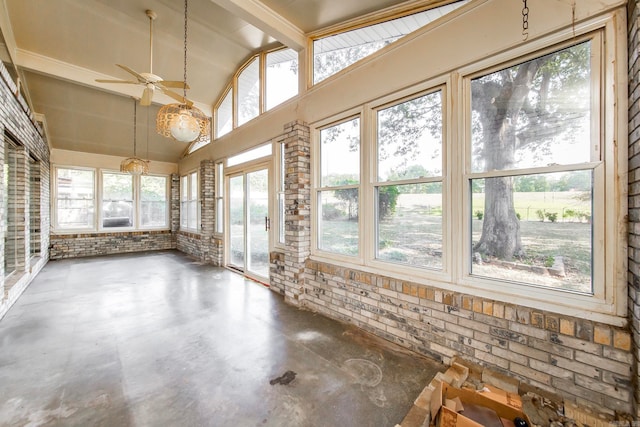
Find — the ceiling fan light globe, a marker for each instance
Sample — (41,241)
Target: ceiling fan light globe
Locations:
(184,127)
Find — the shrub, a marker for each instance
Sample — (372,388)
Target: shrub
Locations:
(540,214)
(551,216)
(479,214)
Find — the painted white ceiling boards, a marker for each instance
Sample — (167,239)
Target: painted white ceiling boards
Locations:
(60,47)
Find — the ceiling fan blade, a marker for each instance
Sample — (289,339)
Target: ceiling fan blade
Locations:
(174,84)
(117,81)
(147,96)
(177,97)
(135,73)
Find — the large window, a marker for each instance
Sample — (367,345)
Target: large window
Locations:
(408,191)
(153,201)
(281,82)
(534,156)
(273,73)
(499,177)
(339,190)
(224,114)
(126,201)
(337,51)
(117,200)
(189,201)
(249,92)
(75,198)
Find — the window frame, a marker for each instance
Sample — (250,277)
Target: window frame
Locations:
(317,189)
(280,177)
(219,199)
(97,226)
(444,272)
(603,282)
(232,91)
(608,303)
(166,202)
(186,200)
(55,197)
(134,219)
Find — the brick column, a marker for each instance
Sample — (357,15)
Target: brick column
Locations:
(634,193)
(297,208)
(175,208)
(210,250)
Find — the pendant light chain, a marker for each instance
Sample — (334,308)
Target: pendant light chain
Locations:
(525,20)
(135,125)
(185,53)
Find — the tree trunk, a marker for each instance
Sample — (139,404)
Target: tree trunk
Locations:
(499,109)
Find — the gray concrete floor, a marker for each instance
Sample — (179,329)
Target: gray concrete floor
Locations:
(156,339)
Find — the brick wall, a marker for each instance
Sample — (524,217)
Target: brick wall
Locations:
(203,245)
(92,244)
(585,362)
(18,124)
(634,193)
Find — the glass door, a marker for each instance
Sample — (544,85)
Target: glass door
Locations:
(249,222)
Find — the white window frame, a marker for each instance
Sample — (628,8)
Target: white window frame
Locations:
(97,201)
(443,273)
(186,200)
(134,219)
(54,199)
(167,202)
(219,199)
(317,189)
(609,302)
(280,175)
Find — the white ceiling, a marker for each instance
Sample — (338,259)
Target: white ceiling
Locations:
(62,46)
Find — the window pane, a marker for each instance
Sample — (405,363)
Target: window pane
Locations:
(551,230)
(340,154)
(249,155)
(409,221)
(410,139)
(282,76)
(193,214)
(153,201)
(336,52)
(281,218)
(193,186)
(220,215)
(184,187)
(184,208)
(117,200)
(338,223)
(75,184)
(75,193)
(75,213)
(224,115)
(533,114)
(249,92)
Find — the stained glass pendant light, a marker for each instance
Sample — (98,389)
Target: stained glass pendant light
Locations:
(183,122)
(134,165)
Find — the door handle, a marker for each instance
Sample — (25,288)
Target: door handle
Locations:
(267,223)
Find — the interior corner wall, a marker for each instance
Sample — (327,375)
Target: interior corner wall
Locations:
(18,123)
(203,245)
(634,193)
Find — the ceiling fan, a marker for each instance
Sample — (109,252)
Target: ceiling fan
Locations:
(150,81)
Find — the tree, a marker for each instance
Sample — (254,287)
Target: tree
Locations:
(518,111)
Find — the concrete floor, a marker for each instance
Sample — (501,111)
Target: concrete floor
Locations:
(156,339)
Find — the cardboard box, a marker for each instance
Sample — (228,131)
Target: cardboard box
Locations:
(489,407)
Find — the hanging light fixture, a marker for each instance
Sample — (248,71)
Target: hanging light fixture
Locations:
(183,122)
(134,165)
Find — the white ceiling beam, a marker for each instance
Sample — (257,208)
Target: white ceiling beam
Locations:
(66,71)
(264,18)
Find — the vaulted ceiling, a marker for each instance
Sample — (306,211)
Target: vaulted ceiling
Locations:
(60,47)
